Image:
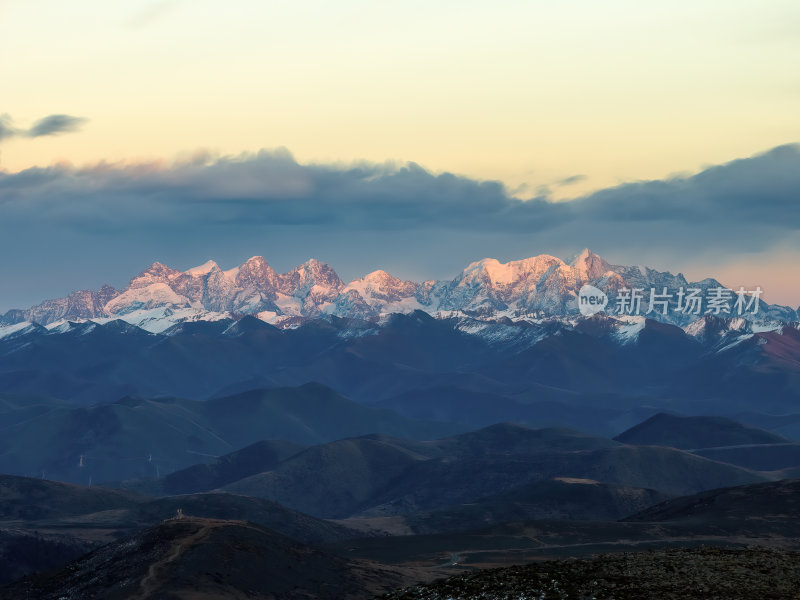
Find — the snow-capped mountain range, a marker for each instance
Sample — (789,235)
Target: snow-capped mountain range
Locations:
(538,287)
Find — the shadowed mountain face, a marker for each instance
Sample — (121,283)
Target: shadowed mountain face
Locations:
(787,425)
(561,498)
(460,369)
(720,439)
(781,458)
(332,480)
(140,438)
(742,506)
(441,482)
(22,498)
(510,439)
(696,432)
(253,459)
(378,476)
(206,558)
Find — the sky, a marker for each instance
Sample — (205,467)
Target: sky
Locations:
(415,137)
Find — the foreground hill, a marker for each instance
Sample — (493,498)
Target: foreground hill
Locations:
(44,524)
(207,558)
(739,507)
(695,432)
(686,574)
(755,514)
(24,551)
(41,505)
(291,523)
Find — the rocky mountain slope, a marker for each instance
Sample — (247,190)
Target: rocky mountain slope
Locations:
(685,574)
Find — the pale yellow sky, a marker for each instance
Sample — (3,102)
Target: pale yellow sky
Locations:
(528,92)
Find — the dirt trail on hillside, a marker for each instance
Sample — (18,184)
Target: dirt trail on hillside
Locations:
(151,581)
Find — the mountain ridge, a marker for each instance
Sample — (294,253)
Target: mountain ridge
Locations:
(540,285)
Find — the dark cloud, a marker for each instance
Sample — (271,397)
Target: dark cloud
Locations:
(110,220)
(50,125)
(572,179)
(762,190)
(54,125)
(270,189)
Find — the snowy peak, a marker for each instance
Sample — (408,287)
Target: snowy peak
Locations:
(155,273)
(589,266)
(145,296)
(82,304)
(380,285)
(489,270)
(319,271)
(311,275)
(499,275)
(256,263)
(158,269)
(203,269)
(539,283)
(257,274)
(709,327)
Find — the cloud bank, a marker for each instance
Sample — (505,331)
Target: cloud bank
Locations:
(108,219)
